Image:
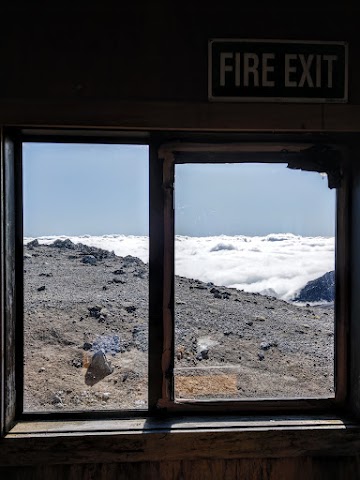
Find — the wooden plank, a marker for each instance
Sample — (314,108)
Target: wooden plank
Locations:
(2,290)
(156,276)
(341,118)
(168,356)
(152,115)
(342,281)
(184,445)
(300,468)
(177,424)
(354,333)
(9,291)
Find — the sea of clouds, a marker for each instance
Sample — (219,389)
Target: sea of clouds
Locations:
(276,264)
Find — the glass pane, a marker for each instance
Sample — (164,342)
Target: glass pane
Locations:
(85,276)
(254,294)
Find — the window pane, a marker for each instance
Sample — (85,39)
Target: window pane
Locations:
(85,276)
(254,294)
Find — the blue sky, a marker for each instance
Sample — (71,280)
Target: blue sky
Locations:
(252,199)
(73,189)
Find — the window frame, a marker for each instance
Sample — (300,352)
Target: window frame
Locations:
(161,274)
(262,152)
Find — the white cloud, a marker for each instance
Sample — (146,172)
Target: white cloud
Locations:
(281,263)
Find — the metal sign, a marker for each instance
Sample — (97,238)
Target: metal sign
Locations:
(277,71)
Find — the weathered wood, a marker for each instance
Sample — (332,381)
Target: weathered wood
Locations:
(195,116)
(168,356)
(156,277)
(177,424)
(2,290)
(342,281)
(316,468)
(8,308)
(173,443)
(354,334)
(141,115)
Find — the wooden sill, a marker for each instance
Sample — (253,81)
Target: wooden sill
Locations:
(106,441)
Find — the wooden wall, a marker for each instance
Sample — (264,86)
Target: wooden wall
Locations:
(316,468)
(143,65)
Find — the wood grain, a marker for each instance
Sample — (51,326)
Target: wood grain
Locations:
(309,468)
(166,443)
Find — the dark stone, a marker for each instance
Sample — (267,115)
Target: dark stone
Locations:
(32,244)
(203,355)
(76,362)
(98,253)
(87,346)
(130,309)
(67,243)
(265,345)
(107,344)
(132,261)
(140,273)
(89,260)
(95,311)
(321,289)
(261,356)
(140,337)
(98,369)
(120,271)
(41,289)
(117,280)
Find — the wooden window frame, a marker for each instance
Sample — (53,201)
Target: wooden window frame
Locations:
(328,421)
(297,155)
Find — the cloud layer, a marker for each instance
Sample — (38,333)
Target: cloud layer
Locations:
(276,264)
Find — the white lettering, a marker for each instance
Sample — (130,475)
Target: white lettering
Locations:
(330,59)
(251,69)
(289,69)
(306,64)
(318,71)
(237,69)
(223,67)
(266,69)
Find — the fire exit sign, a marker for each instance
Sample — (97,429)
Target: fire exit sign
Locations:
(277,71)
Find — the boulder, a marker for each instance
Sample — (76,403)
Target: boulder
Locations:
(321,289)
(98,369)
(67,243)
(32,244)
(89,260)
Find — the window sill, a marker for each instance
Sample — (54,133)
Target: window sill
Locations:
(103,441)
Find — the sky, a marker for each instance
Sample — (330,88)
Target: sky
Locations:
(79,189)
(252,199)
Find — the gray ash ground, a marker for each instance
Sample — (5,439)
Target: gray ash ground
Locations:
(86,333)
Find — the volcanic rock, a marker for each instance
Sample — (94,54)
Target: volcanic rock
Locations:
(321,289)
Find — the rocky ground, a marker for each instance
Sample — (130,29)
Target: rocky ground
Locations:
(86,336)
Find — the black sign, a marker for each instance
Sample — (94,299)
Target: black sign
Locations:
(277,71)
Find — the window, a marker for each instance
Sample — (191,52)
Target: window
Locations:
(249,350)
(85,220)
(254,284)
(159,365)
